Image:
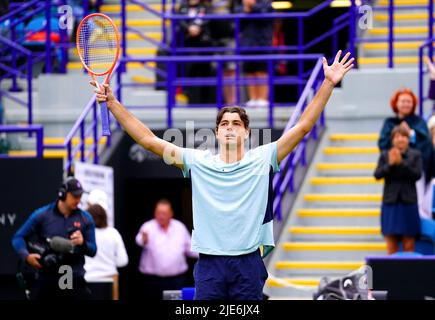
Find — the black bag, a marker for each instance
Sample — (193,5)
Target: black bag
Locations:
(351,287)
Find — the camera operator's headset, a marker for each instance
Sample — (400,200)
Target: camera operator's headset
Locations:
(63,190)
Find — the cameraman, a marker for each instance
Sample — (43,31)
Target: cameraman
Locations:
(61,218)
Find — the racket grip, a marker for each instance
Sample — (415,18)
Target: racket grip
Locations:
(105,119)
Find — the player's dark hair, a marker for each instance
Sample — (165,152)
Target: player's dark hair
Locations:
(240,111)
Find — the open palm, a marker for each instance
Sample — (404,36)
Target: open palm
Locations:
(338,69)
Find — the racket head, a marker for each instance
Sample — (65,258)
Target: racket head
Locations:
(98,44)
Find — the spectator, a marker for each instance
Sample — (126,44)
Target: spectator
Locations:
(98,196)
(196,34)
(427,207)
(400,166)
(256,33)
(426,210)
(111,251)
(222,33)
(403,102)
(165,242)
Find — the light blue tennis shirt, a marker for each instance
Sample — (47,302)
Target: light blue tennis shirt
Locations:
(232,202)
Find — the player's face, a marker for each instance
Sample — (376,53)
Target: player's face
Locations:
(231,129)
(401,142)
(72,201)
(404,104)
(163,214)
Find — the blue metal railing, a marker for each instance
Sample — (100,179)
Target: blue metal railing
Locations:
(302,46)
(18,72)
(172,81)
(421,95)
(38,129)
(391,9)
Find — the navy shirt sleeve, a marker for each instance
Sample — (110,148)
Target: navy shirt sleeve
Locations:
(29,228)
(89,246)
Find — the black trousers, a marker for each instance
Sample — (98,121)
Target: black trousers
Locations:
(49,289)
(153,286)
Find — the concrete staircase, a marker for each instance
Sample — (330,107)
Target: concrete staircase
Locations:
(408,23)
(334,223)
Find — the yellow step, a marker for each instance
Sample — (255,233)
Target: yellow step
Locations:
(142,79)
(142,51)
(130,51)
(398,30)
(354,137)
(345,197)
(334,246)
(346,166)
(338,213)
(350,150)
(404,2)
(76,65)
(336,230)
(384,60)
(344,180)
(336,265)
(397,45)
(284,282)
(141,23)
(47,153)
(157,36)
(382,17)
(115,8)
(75,141)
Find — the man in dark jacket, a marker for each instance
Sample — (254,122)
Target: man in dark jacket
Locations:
(64,219)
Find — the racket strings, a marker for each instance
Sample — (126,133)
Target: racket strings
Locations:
(97,44)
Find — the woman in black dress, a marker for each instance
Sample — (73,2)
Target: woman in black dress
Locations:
(401,167)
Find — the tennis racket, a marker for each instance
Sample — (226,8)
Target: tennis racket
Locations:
(98,49)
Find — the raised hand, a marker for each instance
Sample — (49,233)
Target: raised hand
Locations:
(335,72)
(103,96)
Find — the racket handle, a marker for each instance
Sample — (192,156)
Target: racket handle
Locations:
(105,118)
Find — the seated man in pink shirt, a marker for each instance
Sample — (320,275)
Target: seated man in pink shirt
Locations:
(166,243)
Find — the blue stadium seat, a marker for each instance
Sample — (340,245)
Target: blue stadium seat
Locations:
(36,27)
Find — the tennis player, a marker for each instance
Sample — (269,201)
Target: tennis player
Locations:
(231,191)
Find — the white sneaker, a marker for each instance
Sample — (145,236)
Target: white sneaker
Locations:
(251,103)
(263,104)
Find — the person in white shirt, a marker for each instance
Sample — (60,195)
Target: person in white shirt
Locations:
(111,252)
(165,244)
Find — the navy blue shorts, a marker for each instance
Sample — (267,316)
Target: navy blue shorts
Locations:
(230,277)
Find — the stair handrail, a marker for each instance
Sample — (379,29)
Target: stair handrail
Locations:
(16,72)
(421,72)
(37,128)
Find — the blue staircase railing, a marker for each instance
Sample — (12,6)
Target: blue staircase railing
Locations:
(391,39)
(38,129)
(13,71)
(428,45)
